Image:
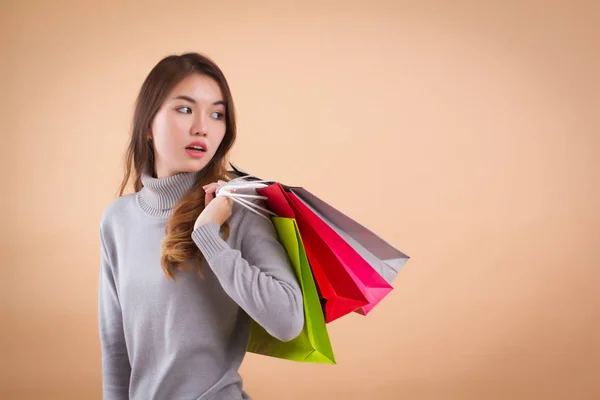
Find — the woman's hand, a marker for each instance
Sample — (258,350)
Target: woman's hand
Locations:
(216,209)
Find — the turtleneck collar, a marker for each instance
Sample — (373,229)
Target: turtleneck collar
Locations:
(160,195)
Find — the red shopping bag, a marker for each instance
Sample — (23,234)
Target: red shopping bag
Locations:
(340,292)
(337,259)
(371,283)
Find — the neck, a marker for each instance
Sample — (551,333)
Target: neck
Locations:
(160,195)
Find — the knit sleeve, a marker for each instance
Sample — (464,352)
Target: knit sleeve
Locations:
(258,277)
(116,369)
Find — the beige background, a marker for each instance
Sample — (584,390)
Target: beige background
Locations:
(466,134)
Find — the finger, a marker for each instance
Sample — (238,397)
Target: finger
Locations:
(209,193)
(212,183)
(208,197)
(216,186)
(211,189)
(221,183)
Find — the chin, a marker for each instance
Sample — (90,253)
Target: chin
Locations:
(195,166)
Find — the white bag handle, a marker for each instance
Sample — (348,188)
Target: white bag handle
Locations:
(228,190)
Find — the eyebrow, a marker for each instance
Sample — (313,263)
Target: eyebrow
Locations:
(191,100)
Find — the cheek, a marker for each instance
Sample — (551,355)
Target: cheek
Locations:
(165,130)
(219,132)
(164,124)
(160,134)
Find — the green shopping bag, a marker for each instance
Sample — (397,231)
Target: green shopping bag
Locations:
(313,344)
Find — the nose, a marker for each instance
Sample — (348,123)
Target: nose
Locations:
(199,128)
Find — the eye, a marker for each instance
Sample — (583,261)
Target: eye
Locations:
(184,110)
(217,115)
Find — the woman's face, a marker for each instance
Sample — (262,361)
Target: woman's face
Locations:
(189,126)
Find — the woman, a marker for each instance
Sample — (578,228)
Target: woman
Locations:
(183,272)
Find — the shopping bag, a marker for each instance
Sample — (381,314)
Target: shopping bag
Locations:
(369,281)
(341,294)
(313,344)
(352,244)
(381,255)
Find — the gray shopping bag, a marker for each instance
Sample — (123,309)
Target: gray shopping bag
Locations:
(382,256)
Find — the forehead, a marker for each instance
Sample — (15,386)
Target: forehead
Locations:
(199,87)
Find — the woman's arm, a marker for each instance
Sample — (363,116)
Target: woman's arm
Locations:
(259,278)
(116,369)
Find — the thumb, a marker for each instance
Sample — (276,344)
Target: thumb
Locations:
(208,197)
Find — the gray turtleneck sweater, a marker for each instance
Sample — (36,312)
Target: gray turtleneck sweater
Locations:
(185,339)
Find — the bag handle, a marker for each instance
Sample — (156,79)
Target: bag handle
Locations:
(229,190)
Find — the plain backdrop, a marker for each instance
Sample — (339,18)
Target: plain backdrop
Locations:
(466,133)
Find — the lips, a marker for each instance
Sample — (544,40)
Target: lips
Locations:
(197,146)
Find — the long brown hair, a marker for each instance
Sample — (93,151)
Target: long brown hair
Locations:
(178,247)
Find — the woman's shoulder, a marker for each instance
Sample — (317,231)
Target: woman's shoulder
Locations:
(117,208)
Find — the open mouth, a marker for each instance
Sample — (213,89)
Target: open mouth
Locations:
(196,148)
